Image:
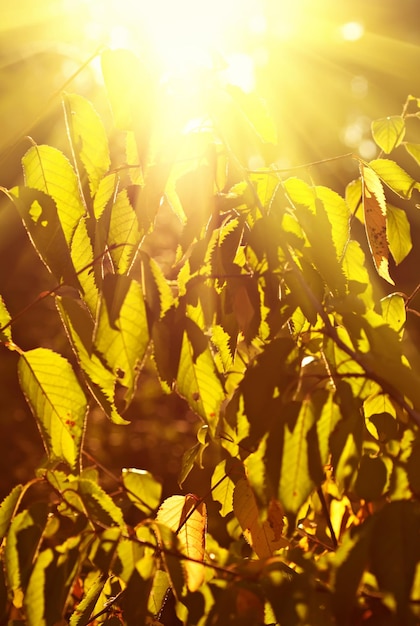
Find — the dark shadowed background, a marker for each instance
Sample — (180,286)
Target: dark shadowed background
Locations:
(325,74)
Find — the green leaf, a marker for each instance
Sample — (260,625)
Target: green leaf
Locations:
(413,150)
(395,552)
(143,489)
(66,486)
(57,402)
(100,381)
(222,487)
(220,341)
(394,177)
(173,564)
(384,357)
(35,598)
(194,166)
(314,282)
(300,192)
(289,593)
(49,171)
(347,368)
(328,416)
(5,318)
(197,381)
(265,184)
(38,212)
(167,335)
(338,216)
(161,584)
(84,263)
(296,482)
(121,335)
(124,236)
(388,132)
(350,561)
(379,403)
(158,293)
(187,517)
(189,458)
(105,195)
(88,139)
(274,372)
(346,440)
(356,272)
(324,216)
(383,426)
(104,549)
(99,505)
(393,311)
(398,233)
(135,599)
(8,509)
(84,609)
(22,545)
(194,454)
(374,207)
(128,554)
(50,583)
(353,195)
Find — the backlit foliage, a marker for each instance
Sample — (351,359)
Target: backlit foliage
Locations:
(307,399)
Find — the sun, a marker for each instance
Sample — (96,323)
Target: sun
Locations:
(245,42)
(181,38)
(311,60)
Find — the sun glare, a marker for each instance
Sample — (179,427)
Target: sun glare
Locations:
(186,39)
(310,60)
(180,35)
(352,31)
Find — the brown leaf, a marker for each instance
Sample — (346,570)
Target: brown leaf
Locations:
(374,207)
(263,536)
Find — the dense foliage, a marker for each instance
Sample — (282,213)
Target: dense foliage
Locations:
(265,321)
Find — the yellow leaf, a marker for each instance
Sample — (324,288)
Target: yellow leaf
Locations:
(374,207)
(394,177)
(393,311)
(48,170)
(187,517)
(398,233)
(388,132)
(265,537)
(222,488)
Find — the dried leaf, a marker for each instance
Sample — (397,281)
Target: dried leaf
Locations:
(374,207)
(264,536)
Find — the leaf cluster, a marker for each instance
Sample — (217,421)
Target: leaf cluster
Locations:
(305,393)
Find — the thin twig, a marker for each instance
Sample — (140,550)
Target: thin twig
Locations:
(117,480)
(292,168)
(50,292)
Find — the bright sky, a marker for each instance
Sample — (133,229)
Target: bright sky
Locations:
(301,51)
